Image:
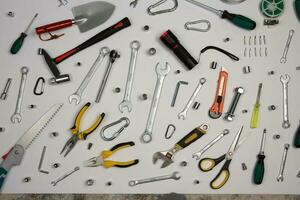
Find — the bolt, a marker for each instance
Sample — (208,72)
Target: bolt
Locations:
(26,179)
(152,51)
(146,28)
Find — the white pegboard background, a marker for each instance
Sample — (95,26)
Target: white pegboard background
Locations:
(145,78)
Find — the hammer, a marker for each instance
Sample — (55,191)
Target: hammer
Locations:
(52,62)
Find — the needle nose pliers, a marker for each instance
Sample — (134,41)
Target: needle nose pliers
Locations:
(80,135)
(100,160)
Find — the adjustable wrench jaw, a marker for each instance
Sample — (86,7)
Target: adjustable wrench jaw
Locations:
(74,98)
(166,156)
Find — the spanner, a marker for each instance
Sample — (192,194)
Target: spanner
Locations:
(182,115)
(175,176)
(76,97)
(133,3)
(54,183)
(198,154)
(285,80)
(16,117)
(282,165)
(161,74)
(126,103)
(287,46)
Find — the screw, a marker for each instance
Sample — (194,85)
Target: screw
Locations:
(90,145)
(26,179)
(146,28)
(246,69)
(152,51)
(196,105)
(89,182)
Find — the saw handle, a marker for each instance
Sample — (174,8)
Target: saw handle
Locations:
(191,137)
(124,23)
(54,26)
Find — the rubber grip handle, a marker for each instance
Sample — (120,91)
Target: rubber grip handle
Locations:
(3,174)
(255,115)
(54,26)
(18,43)
(259,170)
(222,177)
(190,138)
(124,23)
(297,8)
(239,20)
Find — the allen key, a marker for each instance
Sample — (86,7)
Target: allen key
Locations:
(41,161)
(176,91)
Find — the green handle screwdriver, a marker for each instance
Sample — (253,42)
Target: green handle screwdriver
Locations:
(19,41)
(238,20)
(259,168)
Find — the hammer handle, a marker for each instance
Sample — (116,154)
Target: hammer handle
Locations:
(124,23)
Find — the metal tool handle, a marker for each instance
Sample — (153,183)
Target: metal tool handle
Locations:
(24,71)
(287,46)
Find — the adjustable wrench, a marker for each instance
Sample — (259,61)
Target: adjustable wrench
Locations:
(285,80)
(161,74)
(16,117)
(182,114)
(175,176)
(126,103)
(282,165)
(77,95)
(287,46)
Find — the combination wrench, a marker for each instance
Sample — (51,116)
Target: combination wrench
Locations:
(16,117)
(76,97)
(287,46)
(183,113)
(198,154)
(175,176)
(282,165)
(161,74)
(285,80)
(126,103)
(54,183)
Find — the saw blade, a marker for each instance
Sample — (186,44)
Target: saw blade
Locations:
(31,134)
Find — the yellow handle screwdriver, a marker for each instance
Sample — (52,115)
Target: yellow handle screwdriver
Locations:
(255,113)
(19,41)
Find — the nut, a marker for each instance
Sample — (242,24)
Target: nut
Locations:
(144,97)
(177,71)
(272,107)
(152,51)
(276,137)
(226,39)
(89,182)
(196,182)
(109,183)
(245,111)
(244,166)
(183,164)
(32,106)
(54,134)
(146,28)
(56,165)
(11,14)
(246,69)
(214,65)
(27,179)
(2,129)
(117,90)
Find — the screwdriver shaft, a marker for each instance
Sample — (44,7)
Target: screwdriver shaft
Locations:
(218,12)
(26,30)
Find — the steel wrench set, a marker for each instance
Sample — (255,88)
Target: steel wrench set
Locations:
(90,15)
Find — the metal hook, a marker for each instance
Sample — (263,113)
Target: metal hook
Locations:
(162,11)
(169,133)
(188,26)
(116,134)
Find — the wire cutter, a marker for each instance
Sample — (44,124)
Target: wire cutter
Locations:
(100,160)
(80,135)
(207,164)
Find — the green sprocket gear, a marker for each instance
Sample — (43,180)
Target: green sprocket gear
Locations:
(272,8)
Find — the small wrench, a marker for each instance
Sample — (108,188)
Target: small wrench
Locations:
(76,97)
(161,74)
(287,46)
(198,154)
(16,117)
(112,58)
(183,114)
(6,88)
(54,183)
(175,176)
(285,80)
(282,165)
(126,103)
(133,3)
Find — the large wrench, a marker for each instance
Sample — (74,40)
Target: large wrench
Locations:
(161,74)
(287,46)
(282,165)
(16,117)
(174,176)
(77,95)
(126,103)
(285,80)
(182,114)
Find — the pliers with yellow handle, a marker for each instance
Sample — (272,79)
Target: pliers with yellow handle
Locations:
(100,160)
(81,135)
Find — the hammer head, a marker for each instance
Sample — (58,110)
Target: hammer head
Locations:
(166,156)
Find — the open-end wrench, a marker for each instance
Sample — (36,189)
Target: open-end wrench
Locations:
(198,154)
(76,97)
(175,176)
(183,113)
(161,73)
(126,103)
(287,46)
(113,55)
(54,183)
(285,80)
(282,165)
(16,117)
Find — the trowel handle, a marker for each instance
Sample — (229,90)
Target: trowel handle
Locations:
(54,26)
(97,38)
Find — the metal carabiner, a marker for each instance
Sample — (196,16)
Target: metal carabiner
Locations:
(187,25)
(169,133)
(162,11)
(40,82)
(116,134)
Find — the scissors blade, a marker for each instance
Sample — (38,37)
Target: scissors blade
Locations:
(235,144)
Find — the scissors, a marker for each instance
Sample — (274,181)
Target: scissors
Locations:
(207,164)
